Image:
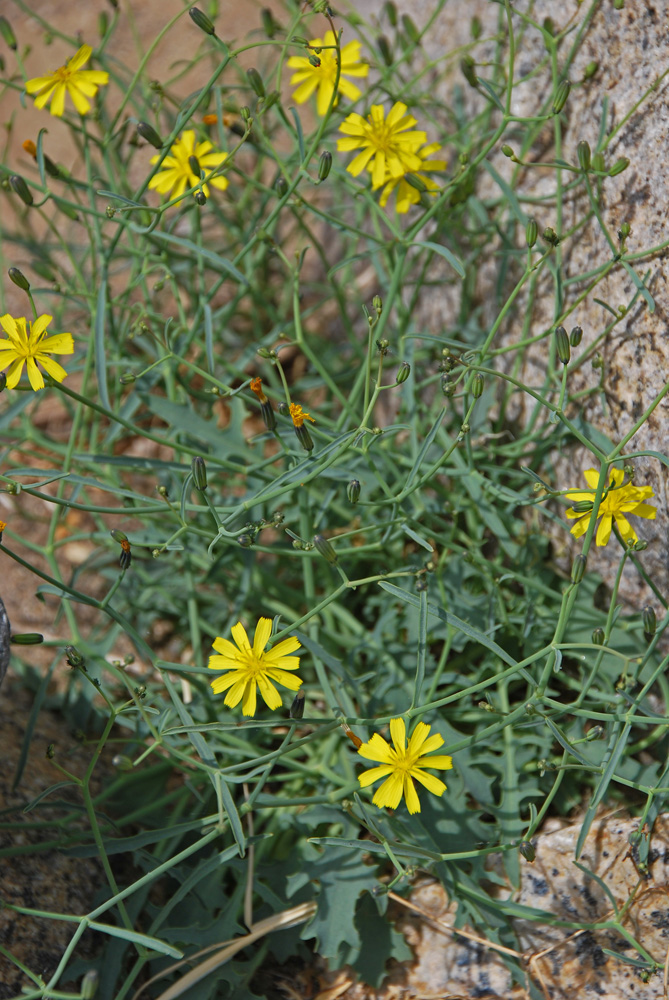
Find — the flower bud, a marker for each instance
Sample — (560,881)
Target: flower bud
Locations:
(353,491)
(202,21)
(624,231)
(403,373)
(582,506)
(200,198)
(7,33)
(562,345)
(477,386)
(20,188)
(527,850)
(598,636)
(468,70)
(19,279)
(149,133)
(255,80)
(584,155)
(561,95)
(297,708)
(508,150)
(416,182)
(199,470)
(590,70)
(531,232)
(268,415)
(27,639)
(578,569)
(649,622)
(390,11)
(640,545)
(50,751)
(245,541)
(89,984)
(74,658)
(304,437)
(383,46)
(269,25)
(127,378)
(118,535)
(576,336)
(245,113)
(595,733)
(300,40)
(550,236)
(122,762)
(377,304)
(314,60)
(325,549)
(621,164)
(324,165)
(598,164)
(448,386)
(410,29)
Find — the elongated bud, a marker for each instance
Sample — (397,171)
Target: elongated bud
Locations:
(508,151)
(304,437)
(202,21)
(590,70)
(50,167)
(280,186)
(477,386)
(127,378)
(618,167)
(416,182)
(255,80)
(20,188)
(584,155)
(27,639)
(561,95)
(582,506)
(322,545)
(527,850)
(624,231)
(531,232)
(74,658)
(89,984)
(269,25)
(649,622)
(468,70)
(598,636)
(118,535)
(268,415)
(410,29)
(403,373)
(19,279)
(576,336)
(149,133)
(562,345)
(390,11)
(300,40)
(7,34)
(199,470)
(377,304)
(383,46)
(297,708)
(578,569)
(598,164)
(550,236)
(353,491)
(324,165)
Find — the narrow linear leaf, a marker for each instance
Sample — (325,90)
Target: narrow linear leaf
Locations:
(444,252)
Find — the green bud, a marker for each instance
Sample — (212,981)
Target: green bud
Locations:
(561,95)
(270,100)
(103,23)
(550,236)
(304,437)
(255,80)
(202,21)
(590,70)
(300,40)
(621,164)
(3,386)
(448,386)
(584,155)
(7,33)
(268,415)
(416,182)
(649,622)
(269,25)
(194,165)
(549,25)
(89,984)
(20,188)
(618,4)
(475,28)
(377,303)
(391,12)
(531,232)
(324,165)
(199,470)
(578,569)
(598,636)
(410,29)
(127,378)
(353,491)
(245,113)
(297,707)
(403,373)
(149,133)
(508,151)
(281,185)
(562,345)
(582,506)
(385,50)
(477,385)
(118,536)
(50,751)
(19,279)
(27,639)
(624,231)
(200,198)
(527,851)
(74,658)
(468,70)
(576,336)
(314,60)
(245,541)
(640,545)
(598,164)
(595,733)
(322,545)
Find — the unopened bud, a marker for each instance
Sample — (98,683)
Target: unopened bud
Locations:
(468,70)
(256,82)
(149,133)
(578,569)
(531,232)
(550,236)
(270,26)
(582,506)
(649,622)
(27,639)
(314,60)
(122,762)
(640,545)
(89,985)
(508,150)
(353,491)
(527,851)
(74,658)
(7,33)
(297,708)
(199,471)
(410,29)
(19,279)
(562,345)
(624,231)
(477,386)
(118,535)
(324,548)
(576,336)
(598,164)
(127,378)
(383,46)
(245,541)
(200,198)
(621,164)
(377,304)
(598,636)
(281,187)
(304,437)
(202,21)
(561,95)
(403,373)
(20,188)
(590,70)
(390,11)
(416,182)
(595,733)
(300,40)
(324,165)
(245,113)
(51,751)
(584,155)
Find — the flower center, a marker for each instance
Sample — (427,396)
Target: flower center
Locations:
(62,74)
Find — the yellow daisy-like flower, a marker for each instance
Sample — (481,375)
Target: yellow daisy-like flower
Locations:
(30,347)
(387,148)
(70,79)
(299,415)
(401,765)
(617,501)
(310,77)
(254,667)
(176,172)
(407,194)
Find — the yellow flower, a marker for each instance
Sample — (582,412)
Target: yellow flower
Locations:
(31,347)
(70,79)
(617,501)
(323,77)
(254,667)
(176,172)
(299,415)
(383,141)
(401,765)
(408,195)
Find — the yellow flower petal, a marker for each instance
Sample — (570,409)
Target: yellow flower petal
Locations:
(253,668)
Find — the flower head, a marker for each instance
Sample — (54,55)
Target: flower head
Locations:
(387,148)
(617,500)
(324,75)
(254,667)
(256,386)
(29,346)
(401,765)
(176,172)
(298,415)
(70,79)
(407,194)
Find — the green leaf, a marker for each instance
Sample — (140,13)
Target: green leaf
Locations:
(444,252)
